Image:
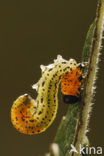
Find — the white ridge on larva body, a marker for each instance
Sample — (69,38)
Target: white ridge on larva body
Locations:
(34,116)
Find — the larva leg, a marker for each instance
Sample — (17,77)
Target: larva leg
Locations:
(31,116)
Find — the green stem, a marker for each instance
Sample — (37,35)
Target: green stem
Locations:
(74,125)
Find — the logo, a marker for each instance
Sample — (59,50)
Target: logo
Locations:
(86,150)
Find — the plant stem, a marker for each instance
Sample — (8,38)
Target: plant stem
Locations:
(74,125)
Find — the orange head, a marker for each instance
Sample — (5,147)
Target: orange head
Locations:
(70,85)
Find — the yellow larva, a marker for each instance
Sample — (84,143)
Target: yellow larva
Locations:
(31,116)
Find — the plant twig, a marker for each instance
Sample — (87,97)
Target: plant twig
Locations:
(74,125)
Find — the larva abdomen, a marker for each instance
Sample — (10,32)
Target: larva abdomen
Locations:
(35,116)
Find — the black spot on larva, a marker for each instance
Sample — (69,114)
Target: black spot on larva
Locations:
(54,75)
(38,131)
(45,116)
(48,102)
(26,121)
(63,62)
(49,120)
(56,84)
(50,86)
(66,72)
(37,117)
(64,69)
(41,99)
(16,118)
(54,95)
(32,131)
(59,66)
(31,120)
(54,101)
(61,70)
(70,69)
(52,114)
(22,119)
(76,73)
(43,105)
(42,118)
(40,113)
(43,83)
(50,69)
(47,74)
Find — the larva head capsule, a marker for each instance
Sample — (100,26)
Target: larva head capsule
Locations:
(21,112)
(71,83)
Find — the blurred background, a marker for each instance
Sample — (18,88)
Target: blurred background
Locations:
(33,33)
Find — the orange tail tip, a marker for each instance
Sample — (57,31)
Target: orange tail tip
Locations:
(21,114)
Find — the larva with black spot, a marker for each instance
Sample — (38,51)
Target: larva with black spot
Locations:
(31,116)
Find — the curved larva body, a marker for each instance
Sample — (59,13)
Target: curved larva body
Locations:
(34,116)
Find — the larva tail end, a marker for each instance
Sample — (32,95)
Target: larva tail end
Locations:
(21,114)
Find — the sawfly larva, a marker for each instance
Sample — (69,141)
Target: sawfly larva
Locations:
(31,116)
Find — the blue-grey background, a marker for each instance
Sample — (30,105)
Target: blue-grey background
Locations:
(33,33)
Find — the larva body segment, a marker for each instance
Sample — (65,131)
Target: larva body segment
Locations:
(35,116)
(70,85)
